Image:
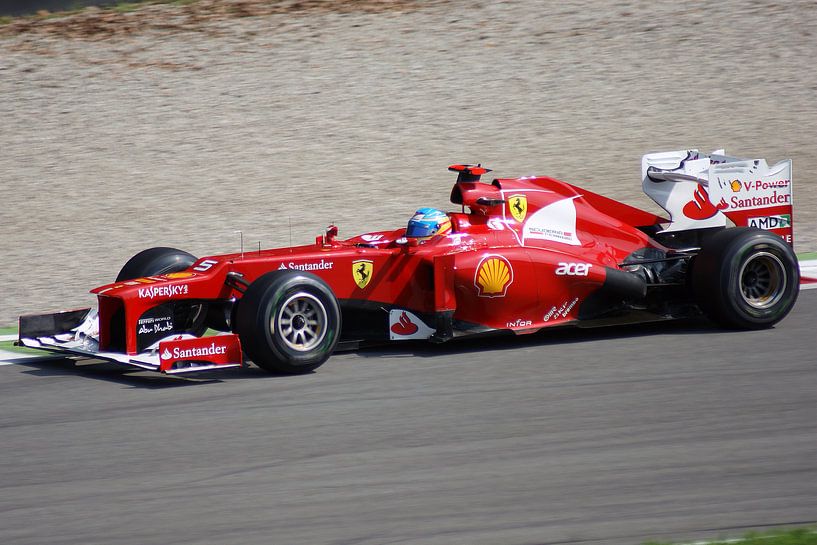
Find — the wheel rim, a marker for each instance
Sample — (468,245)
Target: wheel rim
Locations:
(301,322)
(762,280)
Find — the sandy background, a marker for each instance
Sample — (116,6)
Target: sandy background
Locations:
(180,125)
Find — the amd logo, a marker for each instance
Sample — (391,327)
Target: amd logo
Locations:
(573,269)
(782,221)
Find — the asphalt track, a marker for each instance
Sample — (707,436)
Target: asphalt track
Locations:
(670,431)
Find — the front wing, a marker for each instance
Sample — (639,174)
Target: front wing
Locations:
(72,333)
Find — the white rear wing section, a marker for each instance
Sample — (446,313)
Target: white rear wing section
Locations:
(699,190)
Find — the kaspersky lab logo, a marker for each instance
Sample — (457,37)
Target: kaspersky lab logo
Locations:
(783,221)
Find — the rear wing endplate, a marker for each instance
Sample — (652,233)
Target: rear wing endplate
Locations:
(700,191)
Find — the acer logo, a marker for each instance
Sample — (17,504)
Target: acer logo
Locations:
(573,269)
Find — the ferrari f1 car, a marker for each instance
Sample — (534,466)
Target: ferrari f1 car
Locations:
(521,255)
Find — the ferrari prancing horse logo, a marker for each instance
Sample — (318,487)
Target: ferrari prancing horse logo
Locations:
(519,207)
(362,270)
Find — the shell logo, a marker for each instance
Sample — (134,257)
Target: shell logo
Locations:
(494,275)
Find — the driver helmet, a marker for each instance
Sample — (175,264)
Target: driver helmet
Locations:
(428,222)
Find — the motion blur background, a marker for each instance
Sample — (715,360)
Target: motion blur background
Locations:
(29,7)
(178,124)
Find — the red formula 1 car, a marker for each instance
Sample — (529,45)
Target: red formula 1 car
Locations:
(522,254)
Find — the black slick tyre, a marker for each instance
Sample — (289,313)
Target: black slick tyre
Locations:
(190,318)
(155,261)
(745,278)
(288,322)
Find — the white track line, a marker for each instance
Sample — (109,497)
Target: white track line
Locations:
(808,269)
(10,358)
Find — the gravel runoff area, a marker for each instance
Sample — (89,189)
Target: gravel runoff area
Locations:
(179,125)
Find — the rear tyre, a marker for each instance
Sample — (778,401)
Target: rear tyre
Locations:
(288,322)
(155,261)
(745,278)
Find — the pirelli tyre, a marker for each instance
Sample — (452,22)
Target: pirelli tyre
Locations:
(288,321)
(155,261)
(745,278)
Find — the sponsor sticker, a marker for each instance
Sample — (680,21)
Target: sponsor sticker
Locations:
(783,221)
(700,208)
(759,185)
(746,185)
(493,276)
(217,350)
(573,269)
(163,291)
(159,324)
(518,205)
(561,311)
(405,325)
(519,323)
(179,353)
(371,238)
(322,265)
(775,199)
(178,275)
(362,270)
(555,222)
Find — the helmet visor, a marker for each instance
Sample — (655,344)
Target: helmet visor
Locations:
(421,228)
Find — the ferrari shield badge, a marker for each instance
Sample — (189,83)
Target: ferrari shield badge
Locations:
(519,207)
(362,272)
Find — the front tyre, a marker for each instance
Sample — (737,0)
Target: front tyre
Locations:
(189,318)
(745,278)
(288,322)
(155,261)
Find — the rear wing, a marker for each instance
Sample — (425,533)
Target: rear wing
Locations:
(700,190)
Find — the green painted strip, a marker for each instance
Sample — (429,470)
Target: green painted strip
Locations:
(795,536)
(9,347)
(807,256)
(8,331)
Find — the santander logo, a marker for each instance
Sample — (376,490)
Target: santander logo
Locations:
(700,208)
(404,326)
